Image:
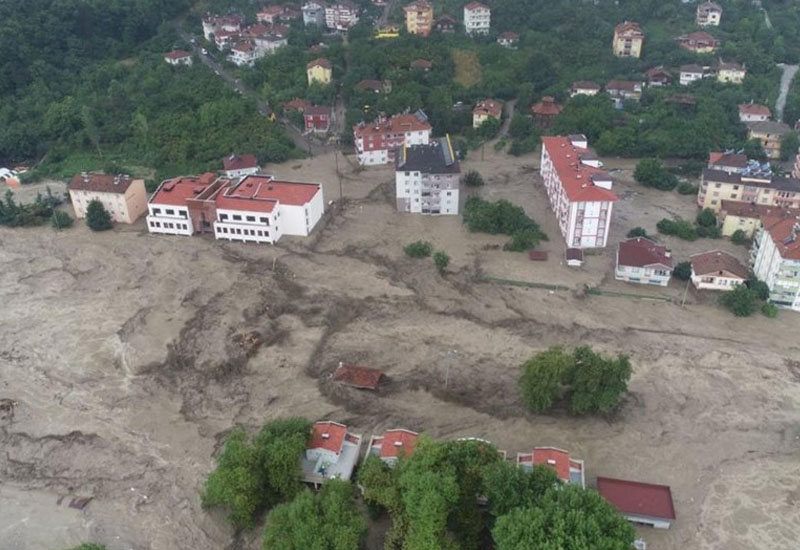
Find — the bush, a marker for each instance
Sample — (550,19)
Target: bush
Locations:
(741,301)
(473,178)
(686,188)
(706,218)
(650,172)
(503,217)
(61,220)
(441,259)
(740,237)
(522,240)
(679,228)
(150,185)
(542,377)
(97,217)
(418,249)
(712,232)
(769,310)
(760,288)
(637,232)
(682,271)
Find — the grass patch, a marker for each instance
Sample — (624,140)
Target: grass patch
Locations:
(468,68)
(84,161)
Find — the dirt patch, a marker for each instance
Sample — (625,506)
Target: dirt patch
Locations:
(468,67)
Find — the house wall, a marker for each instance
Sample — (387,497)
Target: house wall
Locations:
(642,275)
(432,194)
(477,21)
(746,117)
(123,208)
(319,74)
(658,523)
(733,223)
(233,225)
(381,149)
(715,282)
(242,172)
(300,220)
(688,78)
(626,46)
(734,77)
(419,22)
(711,194)
(782,276)
(169,219)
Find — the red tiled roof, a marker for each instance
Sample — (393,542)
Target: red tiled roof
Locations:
(317,110)
(100,183)
(557,459)
(585,85)
(319,62)
(628,26)
(754,109)
(421,64)
(717,262)
(327,435)
(176,191)
(547,107)
(575,176)
(727,159)
(236,162)
(475,6)
(781,229)
(752,210)
(398,124)
(255,187)
(296,104)
(358,377)
(508,36)
(396,442)
(490,107)
(177,54)
(641,252)
(636,498)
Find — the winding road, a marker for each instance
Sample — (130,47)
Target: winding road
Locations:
(789,72)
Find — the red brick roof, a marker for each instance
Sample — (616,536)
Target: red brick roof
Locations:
(358,377)
(716,262)
(100,183)
(489,107)
(557,459)
(398,124)
(585,85)
(176,191)
(575,176)
(320,62)
(475,6)
(327,435)
(782,230)
(177,54)
(547,107)
(262,193)
(642,252)
(421,64)
(628,26)
(754,109)
(236,162)
(636,498)
(733,160)
(396,442)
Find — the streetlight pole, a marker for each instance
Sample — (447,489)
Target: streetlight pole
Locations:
(451,354)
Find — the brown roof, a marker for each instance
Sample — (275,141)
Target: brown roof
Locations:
(784,232)
(490,107)
(236,162)
(691,68)
(358,377)
(717,262)
(101,183)
(370,85)
(628,26)
(585,85)
(475,6)
(547,107)
(752,210)
(319,62)
(754,109)
(398,124)
(658,73)
(296,104)
(327,435)
(734,160)
(636,498)
(574,254)
(177,54)
(621,85)
(642,252)
(421,64)
(317,110)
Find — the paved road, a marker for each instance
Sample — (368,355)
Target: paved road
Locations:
(767,21)
(509,109)
(789,72)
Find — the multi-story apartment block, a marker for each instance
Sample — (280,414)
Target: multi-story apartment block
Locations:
(775,259)
(419,17)
(628,39)
(770,134)
(377,142)
(427,179)
(256,209)
(579,191)
(341,15)
(477,18)
(708,14)
(314,13)
(754,184)
(243,53)
(124,197)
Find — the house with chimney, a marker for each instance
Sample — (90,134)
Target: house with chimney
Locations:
(486,109)
(393,445)
(717,270)
(698,42)
(578,189)
(753,112)
(568,469)
(708,14)
(236,166)
(545,111)
(123,196)
(419,17)
(427,178)
(178,57)
(477,18)
(775,258)
(332,452)
(640,260)
(628,40)
(377,142)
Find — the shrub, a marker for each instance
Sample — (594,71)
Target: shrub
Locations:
(650,172)
(441,259)
(61,220)
(150,185)
(712,232)
(686,188)
(542,377)
(679,228)
(418,249)
(769,310)
(741,301)
(682,271)
(706,218)
(760,288)
(637,232)
(97,217)
(473,178)
(503,217)
(739,237)
(522,240)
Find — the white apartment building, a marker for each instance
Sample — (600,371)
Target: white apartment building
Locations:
(775,258)
(313,14)
(477,18)
(123,197)
(579,192)
(427,179)
(708,14)
(168,208)
(214,24)
(377,142)
(244,54)
(341,15)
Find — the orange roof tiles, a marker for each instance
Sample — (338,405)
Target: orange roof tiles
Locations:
(358,377)
(575,176)
(397,442)
(176,191)
(784,234)
(327,435)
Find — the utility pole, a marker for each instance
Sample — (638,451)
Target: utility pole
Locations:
(451,354)
(685,291)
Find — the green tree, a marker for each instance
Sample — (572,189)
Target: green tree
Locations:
(597,383)
(507,486)
(760,288)
(741,301)
(706,218)
(754,150)
(686,188)
(650,172)
(97,217)
(790,143)
(568,518)
(60,220)
(327,520)
(489,128)
(682,271)
(637,232)
(739,237)
(418,249)
(542,378)
(89,546)
(473,178)
(769,310)
(441,259)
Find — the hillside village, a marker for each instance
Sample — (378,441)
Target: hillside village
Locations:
(474,172)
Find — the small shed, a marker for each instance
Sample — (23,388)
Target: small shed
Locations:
(574,257)
(639,502)
(363,378)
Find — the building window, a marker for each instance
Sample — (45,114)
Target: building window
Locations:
(170,212)
(263,220)
(251,218)
(237,218)
(156,211)
(223,217)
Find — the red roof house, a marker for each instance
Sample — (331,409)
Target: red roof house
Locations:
(393,444)
(753,112)
(545,111)
(235,166)
(639,502)
(317,119)
(568,470)
(640,260)
(357,377)
(331,453)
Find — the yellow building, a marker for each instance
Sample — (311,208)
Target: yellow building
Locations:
(769,133)
(123,197)
(746,216)
(389,31)
(419,17)
(320,70)
(731,72)
(628,39)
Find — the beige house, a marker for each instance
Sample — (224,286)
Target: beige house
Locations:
(319,70)
(731,73)
(752,184)
(770,134)
(125,198)
(717,270)
(747,216)
(486,109)
(628,39)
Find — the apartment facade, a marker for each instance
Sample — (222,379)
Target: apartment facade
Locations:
(746,217)
(377,142)
(419,17)
(341,15)
(427,179)
(708,14)
(750,186)
(578,190)
(628,40)
(124,197)
(313,14)
(775,259)
(477,18)
(770,134)
(640,260)
(717,270)
(214,24)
